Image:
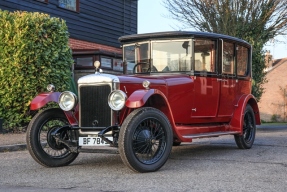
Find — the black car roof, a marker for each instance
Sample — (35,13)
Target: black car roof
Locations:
(177,34)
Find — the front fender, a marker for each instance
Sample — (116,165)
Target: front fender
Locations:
(43,98)
(138,98)
(236,123)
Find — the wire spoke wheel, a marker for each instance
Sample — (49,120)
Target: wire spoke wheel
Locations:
(246,140)
(248,127)
(41,143)
(149,141)
(48,143)
(145,140)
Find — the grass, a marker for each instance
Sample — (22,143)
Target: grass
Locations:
(274,123)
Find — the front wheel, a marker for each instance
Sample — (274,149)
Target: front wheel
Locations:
(41,144)
(145,140)
(246,140)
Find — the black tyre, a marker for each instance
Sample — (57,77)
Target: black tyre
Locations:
(42,147)
(246,140)
(145,140)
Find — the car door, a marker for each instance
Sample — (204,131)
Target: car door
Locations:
(206,86)
(228,81)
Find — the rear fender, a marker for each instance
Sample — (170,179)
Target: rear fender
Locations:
(43,98)
(140,98)
(236,123)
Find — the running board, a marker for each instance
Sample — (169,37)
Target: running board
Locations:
(212,134)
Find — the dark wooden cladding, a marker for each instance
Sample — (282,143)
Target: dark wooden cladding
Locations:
(99,21)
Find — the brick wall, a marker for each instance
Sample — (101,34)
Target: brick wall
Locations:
(79,44)
(272,100)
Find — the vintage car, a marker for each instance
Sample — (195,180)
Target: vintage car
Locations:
(176,87)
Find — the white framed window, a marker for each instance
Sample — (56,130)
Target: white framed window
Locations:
(72,5)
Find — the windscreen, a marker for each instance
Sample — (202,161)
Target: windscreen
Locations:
(172,55)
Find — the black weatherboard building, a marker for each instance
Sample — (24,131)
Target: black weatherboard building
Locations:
(94,27)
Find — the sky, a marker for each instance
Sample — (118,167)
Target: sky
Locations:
(151,18)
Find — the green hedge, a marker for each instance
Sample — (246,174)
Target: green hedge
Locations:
(34,52)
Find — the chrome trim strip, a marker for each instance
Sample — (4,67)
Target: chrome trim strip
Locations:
(212,134)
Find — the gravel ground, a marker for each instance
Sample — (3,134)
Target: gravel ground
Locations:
(12,138)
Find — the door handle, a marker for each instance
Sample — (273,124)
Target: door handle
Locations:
(223,80)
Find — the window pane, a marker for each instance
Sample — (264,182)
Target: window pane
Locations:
(172,55)
(242,60)
(68,4)
(137,56)
(142,52)
(204,55)
(84,62)
(228,58)
(106,62)
(129,53)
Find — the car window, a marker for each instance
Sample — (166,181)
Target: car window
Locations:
(242,60)
(204,55)
(228,66)
(136,57)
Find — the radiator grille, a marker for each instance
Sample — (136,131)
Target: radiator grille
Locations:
(94,106)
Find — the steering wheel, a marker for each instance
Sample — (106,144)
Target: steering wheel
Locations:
(144,63)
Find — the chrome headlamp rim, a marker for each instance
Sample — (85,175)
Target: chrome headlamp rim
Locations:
(117,100)
(51,88)
(67,100)
(146,84)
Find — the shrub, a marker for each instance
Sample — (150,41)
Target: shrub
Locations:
(34,52)
(275,118)
(263,121)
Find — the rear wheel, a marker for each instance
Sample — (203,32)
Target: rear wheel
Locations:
(145,140)
(246,140)
(42,145)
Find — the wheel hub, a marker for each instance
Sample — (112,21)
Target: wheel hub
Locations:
(144,141)
(53,134)
(150,141)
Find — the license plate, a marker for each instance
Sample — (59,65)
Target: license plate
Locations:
(93,141)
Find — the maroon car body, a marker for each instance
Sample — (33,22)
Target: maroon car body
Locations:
(177,86)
